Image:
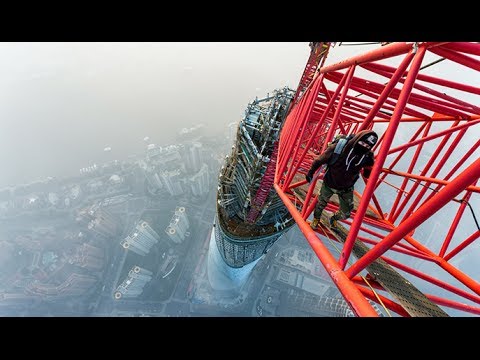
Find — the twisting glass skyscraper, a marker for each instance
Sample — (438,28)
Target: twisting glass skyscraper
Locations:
(250,216)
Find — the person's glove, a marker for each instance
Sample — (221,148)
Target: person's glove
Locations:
(308,177)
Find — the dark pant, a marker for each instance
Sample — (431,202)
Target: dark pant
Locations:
(345,198)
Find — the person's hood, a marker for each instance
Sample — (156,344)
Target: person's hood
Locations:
(368,136)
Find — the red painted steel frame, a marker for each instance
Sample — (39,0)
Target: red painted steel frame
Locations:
(424,184)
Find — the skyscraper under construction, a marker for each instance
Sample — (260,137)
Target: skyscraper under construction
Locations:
(250,216)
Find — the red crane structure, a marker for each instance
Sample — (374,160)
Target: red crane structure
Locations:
(411,245)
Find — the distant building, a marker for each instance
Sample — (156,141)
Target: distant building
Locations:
(178,227)
(141,239)
(104,223)
(173,233)
(172,181)
(164,157)
(302,281)
(154,180)
(53,199)
(74,285)
(250,216)
(88,257)
(95,186)
(116,200)
(75,192)
(299,303)
(99,221)
(16,299)
(193,157)
(200,182)
(304,260)
(133,285)
(168,263)
(181,213)
(116,180)
(153,152)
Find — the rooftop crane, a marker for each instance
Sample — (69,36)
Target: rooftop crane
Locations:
(412,243)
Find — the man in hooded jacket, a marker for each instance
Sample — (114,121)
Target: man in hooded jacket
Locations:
(341,176)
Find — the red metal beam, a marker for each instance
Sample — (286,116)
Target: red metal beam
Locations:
(359,305)
(384,52)
(442,165)
(380,158)
(471,174)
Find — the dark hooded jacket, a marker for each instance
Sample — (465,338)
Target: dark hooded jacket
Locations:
(345,171)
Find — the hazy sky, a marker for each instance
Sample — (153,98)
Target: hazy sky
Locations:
(61,104)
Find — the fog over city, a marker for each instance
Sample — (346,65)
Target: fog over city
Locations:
(110,157)
(63,103)
(80,126)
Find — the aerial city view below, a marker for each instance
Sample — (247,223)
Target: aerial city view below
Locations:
(131,238)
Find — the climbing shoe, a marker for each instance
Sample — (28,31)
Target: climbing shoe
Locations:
(333,222)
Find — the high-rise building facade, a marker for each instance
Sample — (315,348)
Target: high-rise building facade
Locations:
(200,182)
(178,227)
(172,181)
(88,256)
(141,239)
(99,221)
(250,216)
(133,285)
(193,158)
(154,180)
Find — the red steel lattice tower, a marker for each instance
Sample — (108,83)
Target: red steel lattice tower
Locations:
(411,244)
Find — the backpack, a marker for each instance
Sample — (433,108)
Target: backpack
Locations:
(341,140)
